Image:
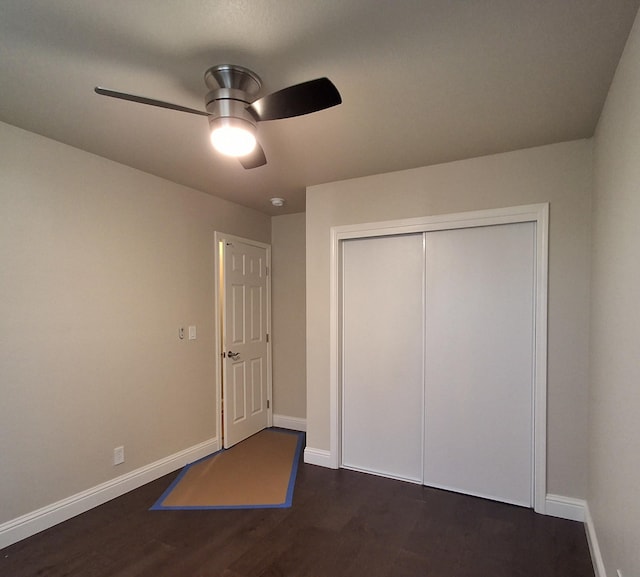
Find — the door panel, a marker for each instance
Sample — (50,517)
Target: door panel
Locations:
(256,297)
(479,361)
(236,319)
(238,399)
(245,372)
(382,356)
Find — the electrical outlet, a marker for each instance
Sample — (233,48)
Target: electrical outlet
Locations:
(118,455)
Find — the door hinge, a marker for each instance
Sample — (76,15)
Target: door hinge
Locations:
(268,403)
(267,270)
(267,337)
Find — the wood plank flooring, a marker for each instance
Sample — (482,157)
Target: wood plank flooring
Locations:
(342,523)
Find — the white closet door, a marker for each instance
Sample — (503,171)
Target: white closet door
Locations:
(479,361)
(383,346)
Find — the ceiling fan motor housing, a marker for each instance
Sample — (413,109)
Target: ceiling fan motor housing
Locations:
(233,76)
(232,89)
(226,103)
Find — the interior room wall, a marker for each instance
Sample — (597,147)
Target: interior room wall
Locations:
(560,174)
(614,457)
(101,265)
(289,323)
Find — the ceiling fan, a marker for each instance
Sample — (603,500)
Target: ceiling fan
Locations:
(234,111)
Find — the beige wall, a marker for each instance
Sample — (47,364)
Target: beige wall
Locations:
(559,174)
(100,266)
(288,311)
(614,458)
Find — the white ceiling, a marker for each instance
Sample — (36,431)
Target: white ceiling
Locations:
(422,81)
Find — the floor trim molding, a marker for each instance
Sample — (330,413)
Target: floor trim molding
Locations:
(45,517)
(594,546)
(318,457)
(293,423)
(565,507)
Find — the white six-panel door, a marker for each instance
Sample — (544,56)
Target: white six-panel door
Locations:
(437,358)
(245,356)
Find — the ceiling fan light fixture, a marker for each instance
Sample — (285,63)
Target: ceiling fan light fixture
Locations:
(233,111)
(233,136)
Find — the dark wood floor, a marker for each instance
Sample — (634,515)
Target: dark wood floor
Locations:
(341,524)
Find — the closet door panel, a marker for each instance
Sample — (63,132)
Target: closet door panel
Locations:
(382,380)
(479,361)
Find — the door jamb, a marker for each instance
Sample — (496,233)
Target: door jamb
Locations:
(218,297)
(538,213)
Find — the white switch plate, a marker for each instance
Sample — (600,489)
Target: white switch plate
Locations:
(118,455)
(192,333)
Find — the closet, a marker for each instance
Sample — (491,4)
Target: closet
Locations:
(437,349)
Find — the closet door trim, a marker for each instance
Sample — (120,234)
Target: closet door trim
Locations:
(537,213)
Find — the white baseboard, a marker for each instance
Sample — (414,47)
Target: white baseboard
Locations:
(293,423)
(565,507)
(578,510)
(318,457)
(41,519)
(594,547)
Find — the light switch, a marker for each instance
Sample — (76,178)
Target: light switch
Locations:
(192,333)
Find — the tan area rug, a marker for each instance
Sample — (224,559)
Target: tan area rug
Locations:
(259,472)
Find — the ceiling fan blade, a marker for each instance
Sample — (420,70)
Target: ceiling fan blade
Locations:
(150,101)
(296,100)
(254,159)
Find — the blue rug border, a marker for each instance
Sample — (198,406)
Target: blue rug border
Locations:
(158,506)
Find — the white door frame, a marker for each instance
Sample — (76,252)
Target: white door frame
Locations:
(218,293)
(538,213)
